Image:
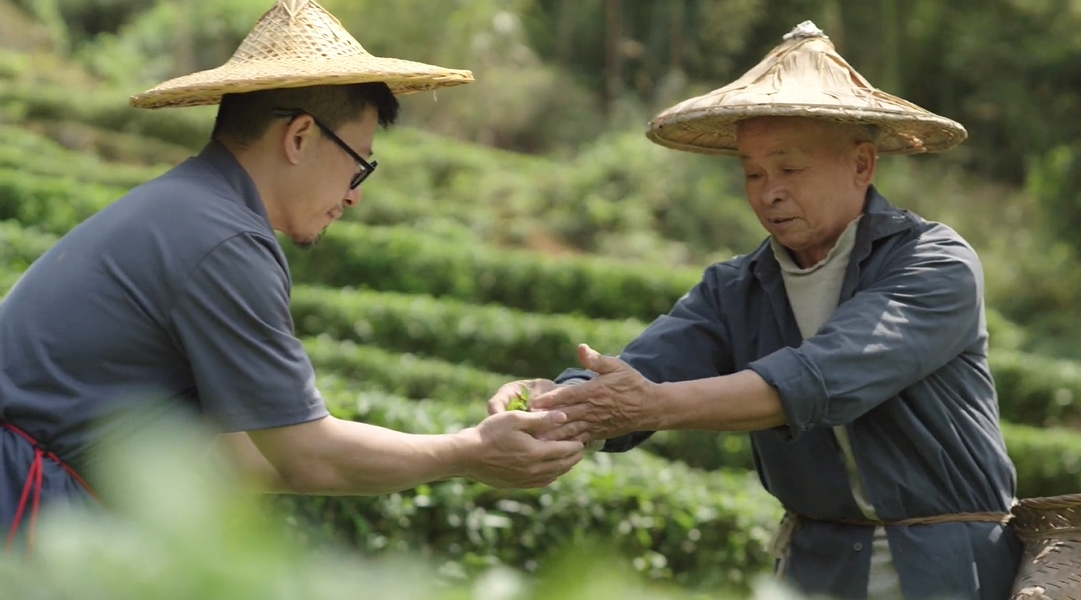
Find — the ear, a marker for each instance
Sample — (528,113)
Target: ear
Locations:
(866,159)
(296,137)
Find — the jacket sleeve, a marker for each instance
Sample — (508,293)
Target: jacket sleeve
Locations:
(690,342)
(923,309)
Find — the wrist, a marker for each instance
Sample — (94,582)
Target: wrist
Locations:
(660,413)
(463,450)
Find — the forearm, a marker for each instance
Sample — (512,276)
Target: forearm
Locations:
(237,452)
(350,458)
(742,401)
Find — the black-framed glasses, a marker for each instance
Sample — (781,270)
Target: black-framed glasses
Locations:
(366,167)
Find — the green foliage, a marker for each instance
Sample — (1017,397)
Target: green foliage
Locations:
(511,102)
(21,246)
(664,43)
(48,13)
(1052,179)
(170,38)
(487,337)
(703,529)
(1037,390)
(51,205)
(402,374)
(7,280)
(38,156)
(177,528)
(1032,389)
(43,90)
(1048,461)
(1004,69)
(407,260)
(707,450)
(620,196)
(520,401)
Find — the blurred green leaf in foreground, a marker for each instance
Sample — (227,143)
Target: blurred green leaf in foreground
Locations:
(177,528)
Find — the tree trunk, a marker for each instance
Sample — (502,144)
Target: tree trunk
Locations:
(678,10)
(183,44)
(613,71)
(833,24)
(891,43)
(565,32)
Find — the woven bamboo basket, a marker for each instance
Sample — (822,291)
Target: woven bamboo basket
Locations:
(1051,531)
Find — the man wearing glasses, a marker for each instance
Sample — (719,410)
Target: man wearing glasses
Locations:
(177,295)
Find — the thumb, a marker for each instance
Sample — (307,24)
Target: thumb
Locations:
(597,362)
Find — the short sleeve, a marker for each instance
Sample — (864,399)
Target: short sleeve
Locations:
(233,323)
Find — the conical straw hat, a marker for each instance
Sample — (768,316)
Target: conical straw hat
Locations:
(802,77)
(297,43)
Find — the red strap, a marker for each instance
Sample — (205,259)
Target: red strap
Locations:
(34,481)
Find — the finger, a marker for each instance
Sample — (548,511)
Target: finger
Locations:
(597,362)
(540,420)
(556,468)
(564,396)
(568,431)
(559,449)
(501,399)
(577,427)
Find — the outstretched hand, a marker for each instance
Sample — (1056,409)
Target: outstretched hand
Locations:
(618,401)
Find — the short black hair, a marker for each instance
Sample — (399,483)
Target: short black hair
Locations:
(244,118)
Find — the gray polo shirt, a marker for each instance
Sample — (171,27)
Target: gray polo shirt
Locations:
(901,365)
(176,295)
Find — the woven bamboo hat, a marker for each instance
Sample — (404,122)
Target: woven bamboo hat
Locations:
(803,77)
(297,43)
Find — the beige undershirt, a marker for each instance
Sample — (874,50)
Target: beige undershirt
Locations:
(814,293)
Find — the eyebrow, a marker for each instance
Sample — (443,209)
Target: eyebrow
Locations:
(781,152)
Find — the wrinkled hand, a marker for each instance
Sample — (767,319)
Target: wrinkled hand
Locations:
(510,456)
(498,402)
(616,402)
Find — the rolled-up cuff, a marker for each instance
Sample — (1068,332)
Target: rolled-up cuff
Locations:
(800,387)
(571,375)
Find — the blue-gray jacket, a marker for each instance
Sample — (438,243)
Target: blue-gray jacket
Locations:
(902,364)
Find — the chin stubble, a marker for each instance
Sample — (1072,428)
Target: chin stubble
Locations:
(311,242)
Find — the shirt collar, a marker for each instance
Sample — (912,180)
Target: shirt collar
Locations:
(841,250)
(219,157)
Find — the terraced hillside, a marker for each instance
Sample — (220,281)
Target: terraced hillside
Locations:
(413,322)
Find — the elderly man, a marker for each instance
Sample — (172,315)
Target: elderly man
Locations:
(177,294)
(851,344)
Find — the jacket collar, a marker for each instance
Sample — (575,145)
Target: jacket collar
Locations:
(880,220)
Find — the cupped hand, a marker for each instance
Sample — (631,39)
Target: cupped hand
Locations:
(499,401)
(508,455)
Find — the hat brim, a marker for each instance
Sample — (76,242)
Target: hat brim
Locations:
(712,130)
(207,87)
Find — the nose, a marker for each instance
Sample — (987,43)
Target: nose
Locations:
(353,197)
(772,193)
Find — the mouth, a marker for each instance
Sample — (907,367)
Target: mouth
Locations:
(782,221)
